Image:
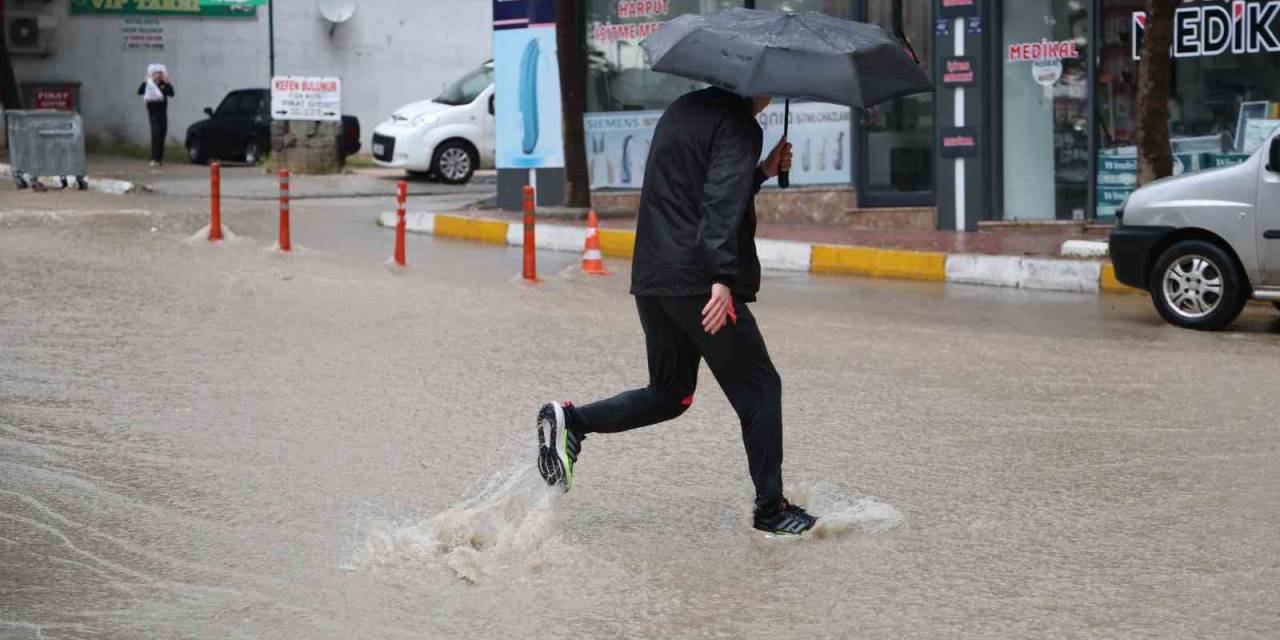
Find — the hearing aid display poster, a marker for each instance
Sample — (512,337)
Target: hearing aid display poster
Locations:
(618,144)
(527,85)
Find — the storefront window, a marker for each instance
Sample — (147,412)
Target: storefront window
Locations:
(1224,100)
(899,134)
(618,79)
(1046,120)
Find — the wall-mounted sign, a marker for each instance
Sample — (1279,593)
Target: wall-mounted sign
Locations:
(959,142)
(1212,29)
(60,99)
(306,98)
(957,8)
(958,72)
(193,8)
(975,25)
(142,34)
(1046,73)
(1043,50)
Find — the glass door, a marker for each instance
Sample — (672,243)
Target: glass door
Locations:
(894,141)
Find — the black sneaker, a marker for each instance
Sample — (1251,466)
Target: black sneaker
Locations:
(558,445)
(785,520)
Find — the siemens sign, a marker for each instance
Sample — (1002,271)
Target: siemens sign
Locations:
(1216,29)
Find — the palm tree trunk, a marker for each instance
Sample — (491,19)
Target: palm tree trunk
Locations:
(573,100)
(1155,155)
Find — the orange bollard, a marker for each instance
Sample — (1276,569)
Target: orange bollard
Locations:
(530,251)
(592,258)
(402,192)
(284,210)
(215,198)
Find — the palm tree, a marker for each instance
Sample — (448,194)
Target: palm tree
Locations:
(573,101)
(1155,71)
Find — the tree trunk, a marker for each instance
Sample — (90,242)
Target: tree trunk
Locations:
(573,100)
(1155,155)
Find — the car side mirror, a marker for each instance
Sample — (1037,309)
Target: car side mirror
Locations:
(491,105)
(208,112)
(1274,167)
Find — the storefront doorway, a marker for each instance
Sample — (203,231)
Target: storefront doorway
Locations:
(1044,91)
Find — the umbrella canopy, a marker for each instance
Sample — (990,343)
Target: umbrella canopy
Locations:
(765,53)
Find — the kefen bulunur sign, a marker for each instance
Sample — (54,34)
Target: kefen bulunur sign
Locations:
(306,98)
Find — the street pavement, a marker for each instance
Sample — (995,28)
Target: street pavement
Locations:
(221,441)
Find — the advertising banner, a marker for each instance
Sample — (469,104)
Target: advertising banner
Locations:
(618,144)
(526,79)
(193,8)
(306,98)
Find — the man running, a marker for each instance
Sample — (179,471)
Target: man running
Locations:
(694,270)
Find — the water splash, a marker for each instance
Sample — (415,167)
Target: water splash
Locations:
(509,524)
(839,513)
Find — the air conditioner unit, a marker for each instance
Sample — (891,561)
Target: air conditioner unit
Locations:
(28,33)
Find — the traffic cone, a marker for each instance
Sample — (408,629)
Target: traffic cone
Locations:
(592,259)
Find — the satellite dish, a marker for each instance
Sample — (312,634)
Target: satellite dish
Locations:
(336,11)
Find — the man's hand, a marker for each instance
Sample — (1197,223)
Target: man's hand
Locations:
(718,310)
(779,159)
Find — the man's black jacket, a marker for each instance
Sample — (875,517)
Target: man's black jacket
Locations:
(697,221)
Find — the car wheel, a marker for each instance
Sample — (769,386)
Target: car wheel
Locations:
(195,153)
(1196,285)
(454,162)
(251,153)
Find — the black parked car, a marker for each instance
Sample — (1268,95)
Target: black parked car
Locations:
(240,129)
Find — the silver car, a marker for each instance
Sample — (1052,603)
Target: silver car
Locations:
(1204,244)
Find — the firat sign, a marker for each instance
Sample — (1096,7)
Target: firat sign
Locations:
(1215,29)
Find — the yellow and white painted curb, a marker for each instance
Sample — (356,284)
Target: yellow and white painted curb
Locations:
(1046,274)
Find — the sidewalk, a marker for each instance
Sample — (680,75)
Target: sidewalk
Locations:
(1007,255)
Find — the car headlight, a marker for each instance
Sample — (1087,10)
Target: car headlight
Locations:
(424,118)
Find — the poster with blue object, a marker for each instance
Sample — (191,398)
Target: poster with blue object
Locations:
(527,85)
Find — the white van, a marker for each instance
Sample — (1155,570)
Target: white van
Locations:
(446,138)
(1204,244)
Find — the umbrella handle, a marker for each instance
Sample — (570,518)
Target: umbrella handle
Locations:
(784,177)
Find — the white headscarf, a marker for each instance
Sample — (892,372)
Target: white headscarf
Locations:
(152,92)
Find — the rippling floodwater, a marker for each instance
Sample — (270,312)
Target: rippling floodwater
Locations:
(219,442)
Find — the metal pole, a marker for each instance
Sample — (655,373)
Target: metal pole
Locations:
(271,35)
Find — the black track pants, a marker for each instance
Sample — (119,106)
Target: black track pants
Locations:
(159,129)
(675,342)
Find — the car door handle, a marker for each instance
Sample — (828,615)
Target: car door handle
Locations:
(1271,234)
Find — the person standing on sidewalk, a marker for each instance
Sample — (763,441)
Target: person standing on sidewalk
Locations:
(156,91)
(694,271)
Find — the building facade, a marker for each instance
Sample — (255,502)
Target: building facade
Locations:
(1034,114)
(388,54)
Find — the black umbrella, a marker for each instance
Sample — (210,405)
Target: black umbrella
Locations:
(766,53)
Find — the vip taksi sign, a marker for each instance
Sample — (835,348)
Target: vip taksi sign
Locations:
(1214,29)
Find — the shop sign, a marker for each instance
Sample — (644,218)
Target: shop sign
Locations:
(1043,50)
(527,116)
(1214,29)
(306,98)
(618,143)
(958,72)
(142,34)
(956,8)
(607,32)
(959,142)
(194,8)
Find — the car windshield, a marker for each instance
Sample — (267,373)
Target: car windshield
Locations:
(466,89)
(238,103)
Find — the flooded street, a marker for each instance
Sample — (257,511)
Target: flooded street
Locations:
(222,442)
